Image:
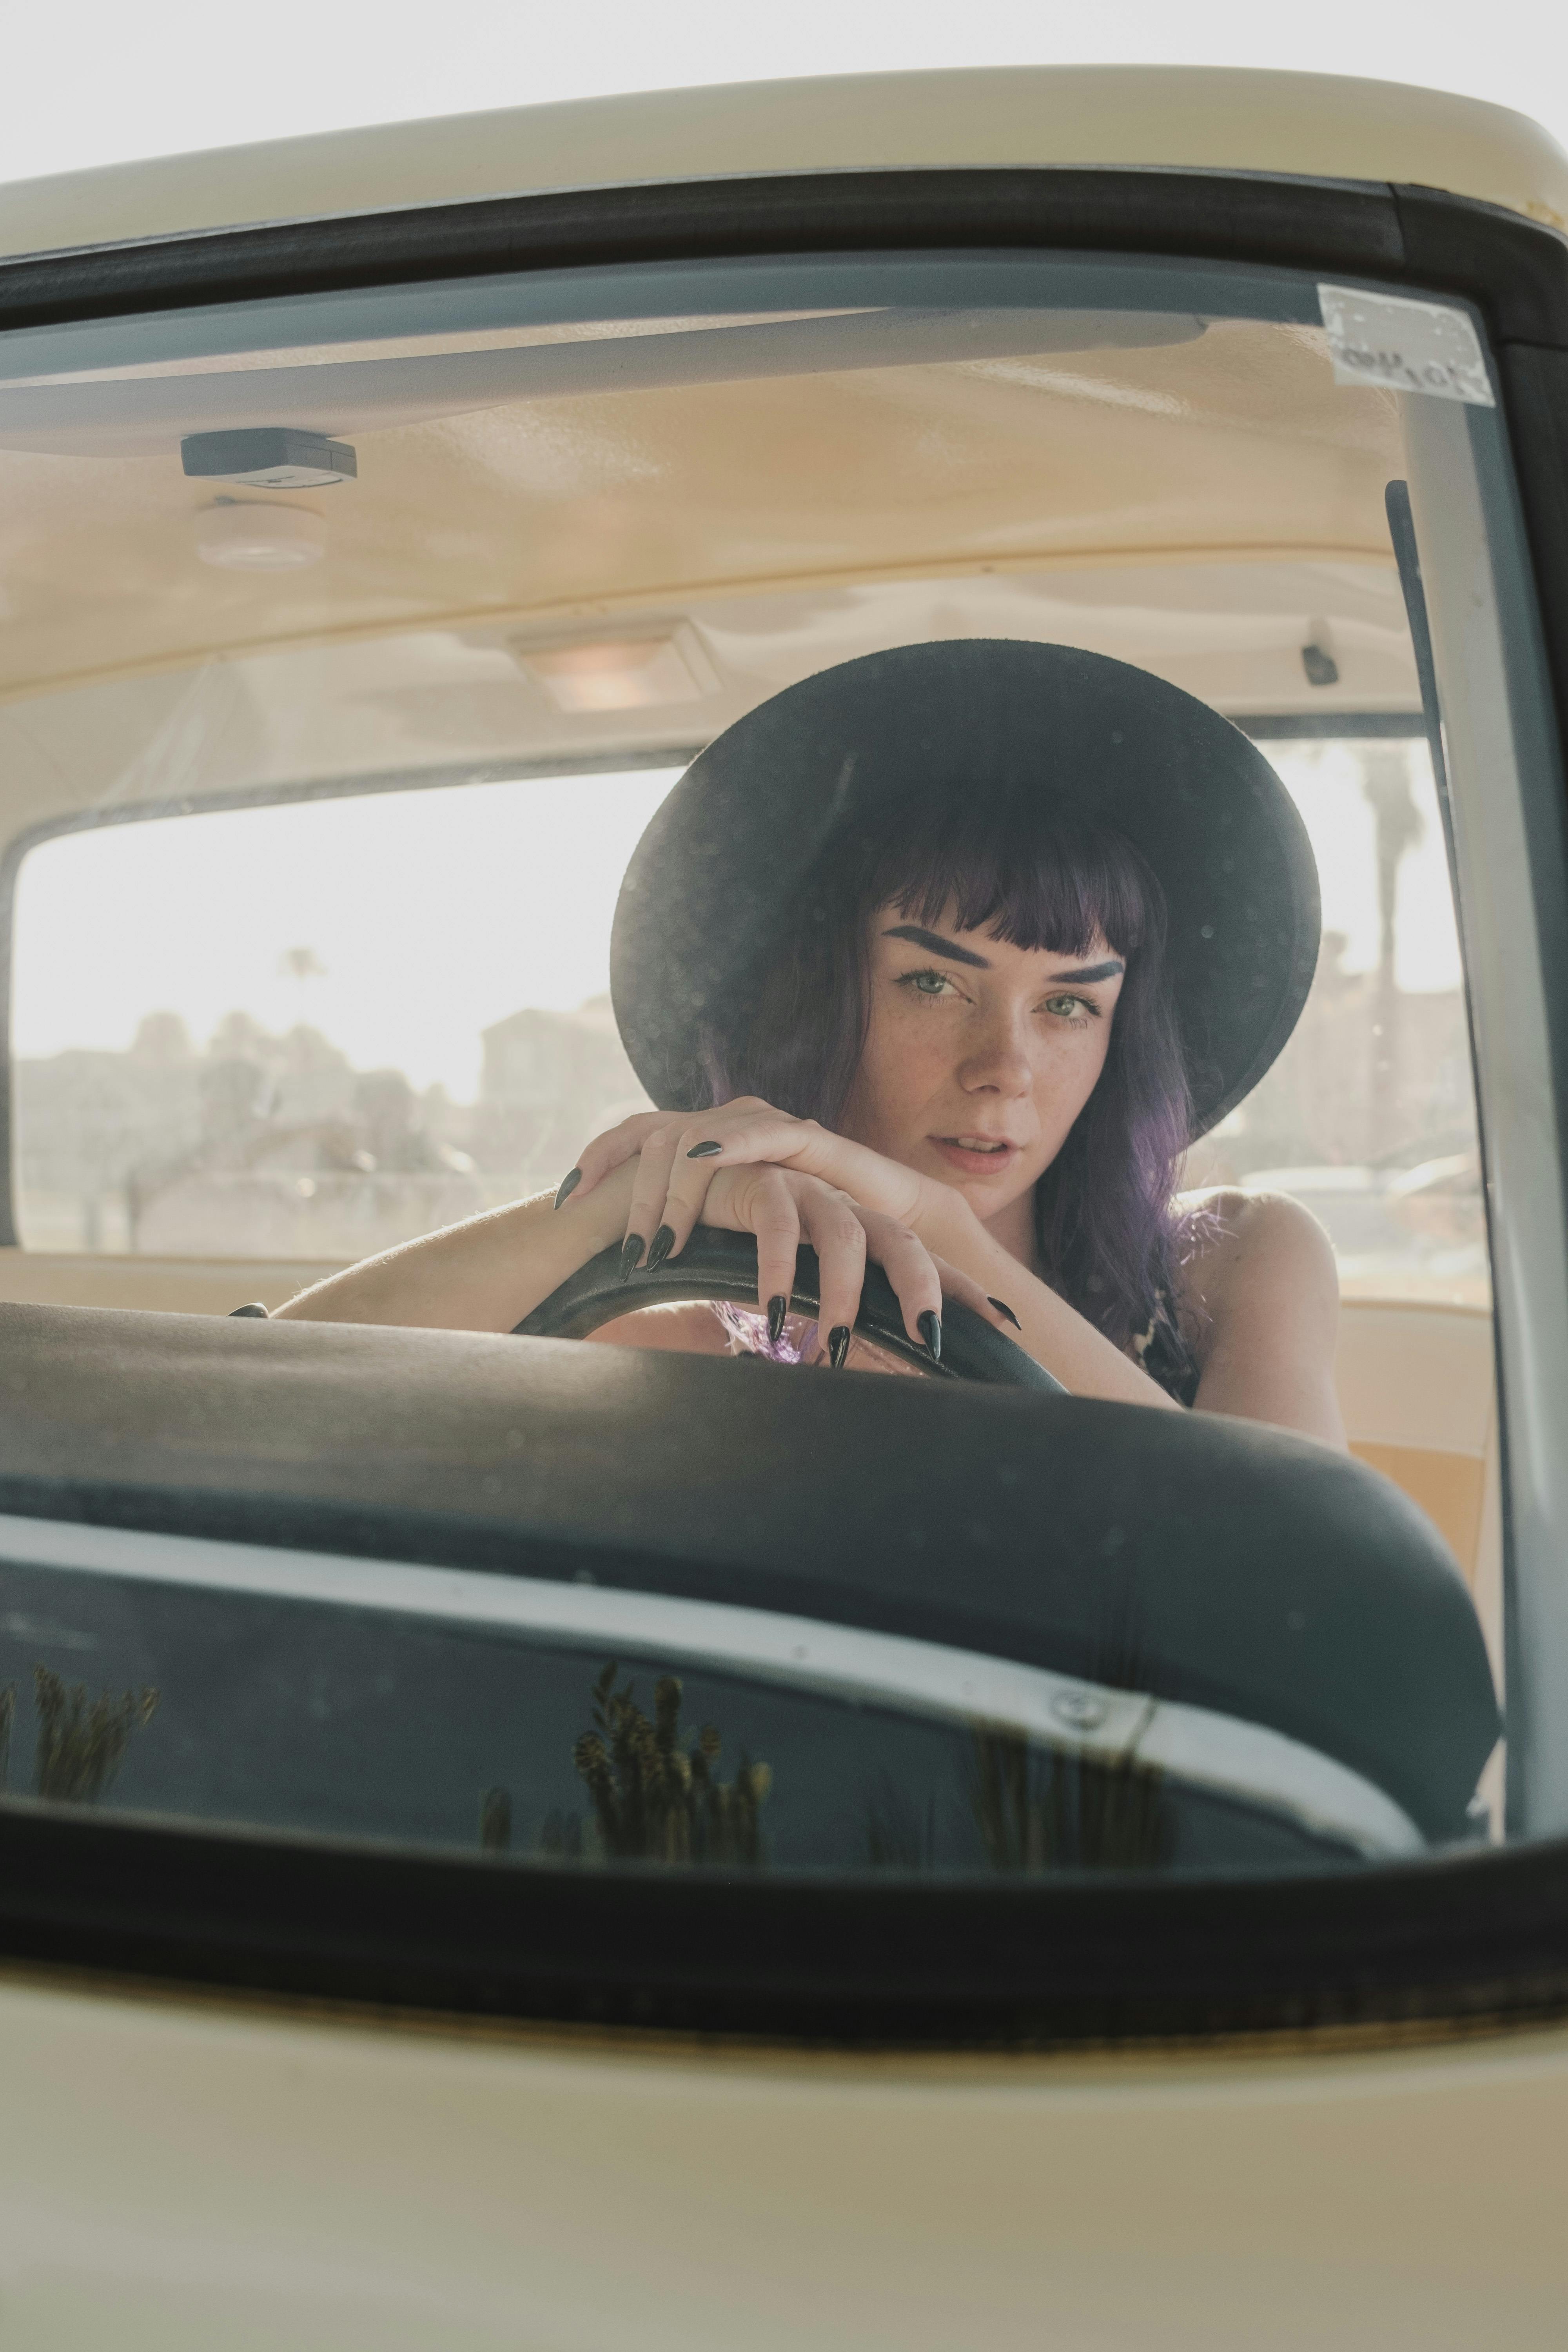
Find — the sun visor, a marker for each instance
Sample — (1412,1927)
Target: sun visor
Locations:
(147,409)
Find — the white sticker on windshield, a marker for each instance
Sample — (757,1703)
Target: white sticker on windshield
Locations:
(1408,346)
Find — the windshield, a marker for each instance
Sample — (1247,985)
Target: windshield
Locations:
(986,780)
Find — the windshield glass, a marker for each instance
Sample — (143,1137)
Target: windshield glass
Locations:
(968,773)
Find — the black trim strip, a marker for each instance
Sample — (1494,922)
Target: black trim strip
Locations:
(897,1961)
(1512,269)
(1406,555)
(1223,215)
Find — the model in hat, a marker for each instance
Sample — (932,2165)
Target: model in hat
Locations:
(942,958)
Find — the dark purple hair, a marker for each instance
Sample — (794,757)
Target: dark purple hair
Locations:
(1108,1234)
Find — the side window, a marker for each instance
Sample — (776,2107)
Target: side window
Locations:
(1369,1114)
(314,1029)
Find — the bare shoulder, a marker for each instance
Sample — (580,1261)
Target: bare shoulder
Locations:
(1262,1292)
(1257,1253)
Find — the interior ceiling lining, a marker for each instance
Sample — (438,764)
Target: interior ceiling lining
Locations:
(448,700)
(660,605)
(1202,449)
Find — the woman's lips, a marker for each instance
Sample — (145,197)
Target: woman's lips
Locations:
(992,1161)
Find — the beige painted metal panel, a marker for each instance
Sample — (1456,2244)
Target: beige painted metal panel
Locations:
(164,1286)
(1416,1388)
(1202,117)
(1411,1374)
(173,2179)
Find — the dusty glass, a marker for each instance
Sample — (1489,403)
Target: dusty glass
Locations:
(324,777)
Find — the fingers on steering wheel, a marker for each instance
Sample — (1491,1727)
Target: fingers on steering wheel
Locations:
(608,1151)
(835,1230)
(650,1188)
(688,1186)
(910,1268)
(970,1294)
(775,1221)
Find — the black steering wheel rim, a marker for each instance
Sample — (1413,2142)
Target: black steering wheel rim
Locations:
(723,1266)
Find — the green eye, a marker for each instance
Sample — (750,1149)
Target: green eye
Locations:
(1066,1006)
(928,983)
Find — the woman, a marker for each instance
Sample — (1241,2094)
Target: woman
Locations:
(942,958)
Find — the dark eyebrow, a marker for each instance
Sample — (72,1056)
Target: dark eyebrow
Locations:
(1083,977)
(1092,972)
(938,945)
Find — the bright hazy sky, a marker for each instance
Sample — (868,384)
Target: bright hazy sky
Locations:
(96,81)
(435,913)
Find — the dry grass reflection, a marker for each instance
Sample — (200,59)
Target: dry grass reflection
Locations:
(656,1792)
(1044,1811)
(81,1740)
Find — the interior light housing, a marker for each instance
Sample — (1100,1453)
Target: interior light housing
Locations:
(635,671)
(268,458)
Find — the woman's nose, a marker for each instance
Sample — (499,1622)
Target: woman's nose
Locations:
(998,1064)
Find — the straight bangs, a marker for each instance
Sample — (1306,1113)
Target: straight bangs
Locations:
(1034,879)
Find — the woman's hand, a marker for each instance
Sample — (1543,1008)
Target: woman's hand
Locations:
(679,1153)
(783,1207)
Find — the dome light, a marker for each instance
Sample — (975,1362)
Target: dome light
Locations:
(252,536)
(634,672)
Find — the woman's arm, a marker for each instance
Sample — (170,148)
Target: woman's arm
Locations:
(1054,1334)
(1265,1296)
(489,1272)
(1266,1293)
(484,1274)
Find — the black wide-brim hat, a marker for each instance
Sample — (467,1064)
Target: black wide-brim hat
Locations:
(718,878)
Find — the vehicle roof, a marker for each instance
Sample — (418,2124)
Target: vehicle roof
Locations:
(1319,125)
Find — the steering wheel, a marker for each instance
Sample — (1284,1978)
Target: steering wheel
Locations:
(716,1265)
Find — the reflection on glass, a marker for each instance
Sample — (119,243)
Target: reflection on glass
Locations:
(654,1787)
(331,1722)
(79,1741)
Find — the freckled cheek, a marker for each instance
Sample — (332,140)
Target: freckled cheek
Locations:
(904,1063)
(1066,1078)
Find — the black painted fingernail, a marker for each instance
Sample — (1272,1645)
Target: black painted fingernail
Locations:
(1002,1308)
(569,1183)
(777,1310)
(930,1327)
(704,1151)
(838,1346)
(658,1249)
(631,1250)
